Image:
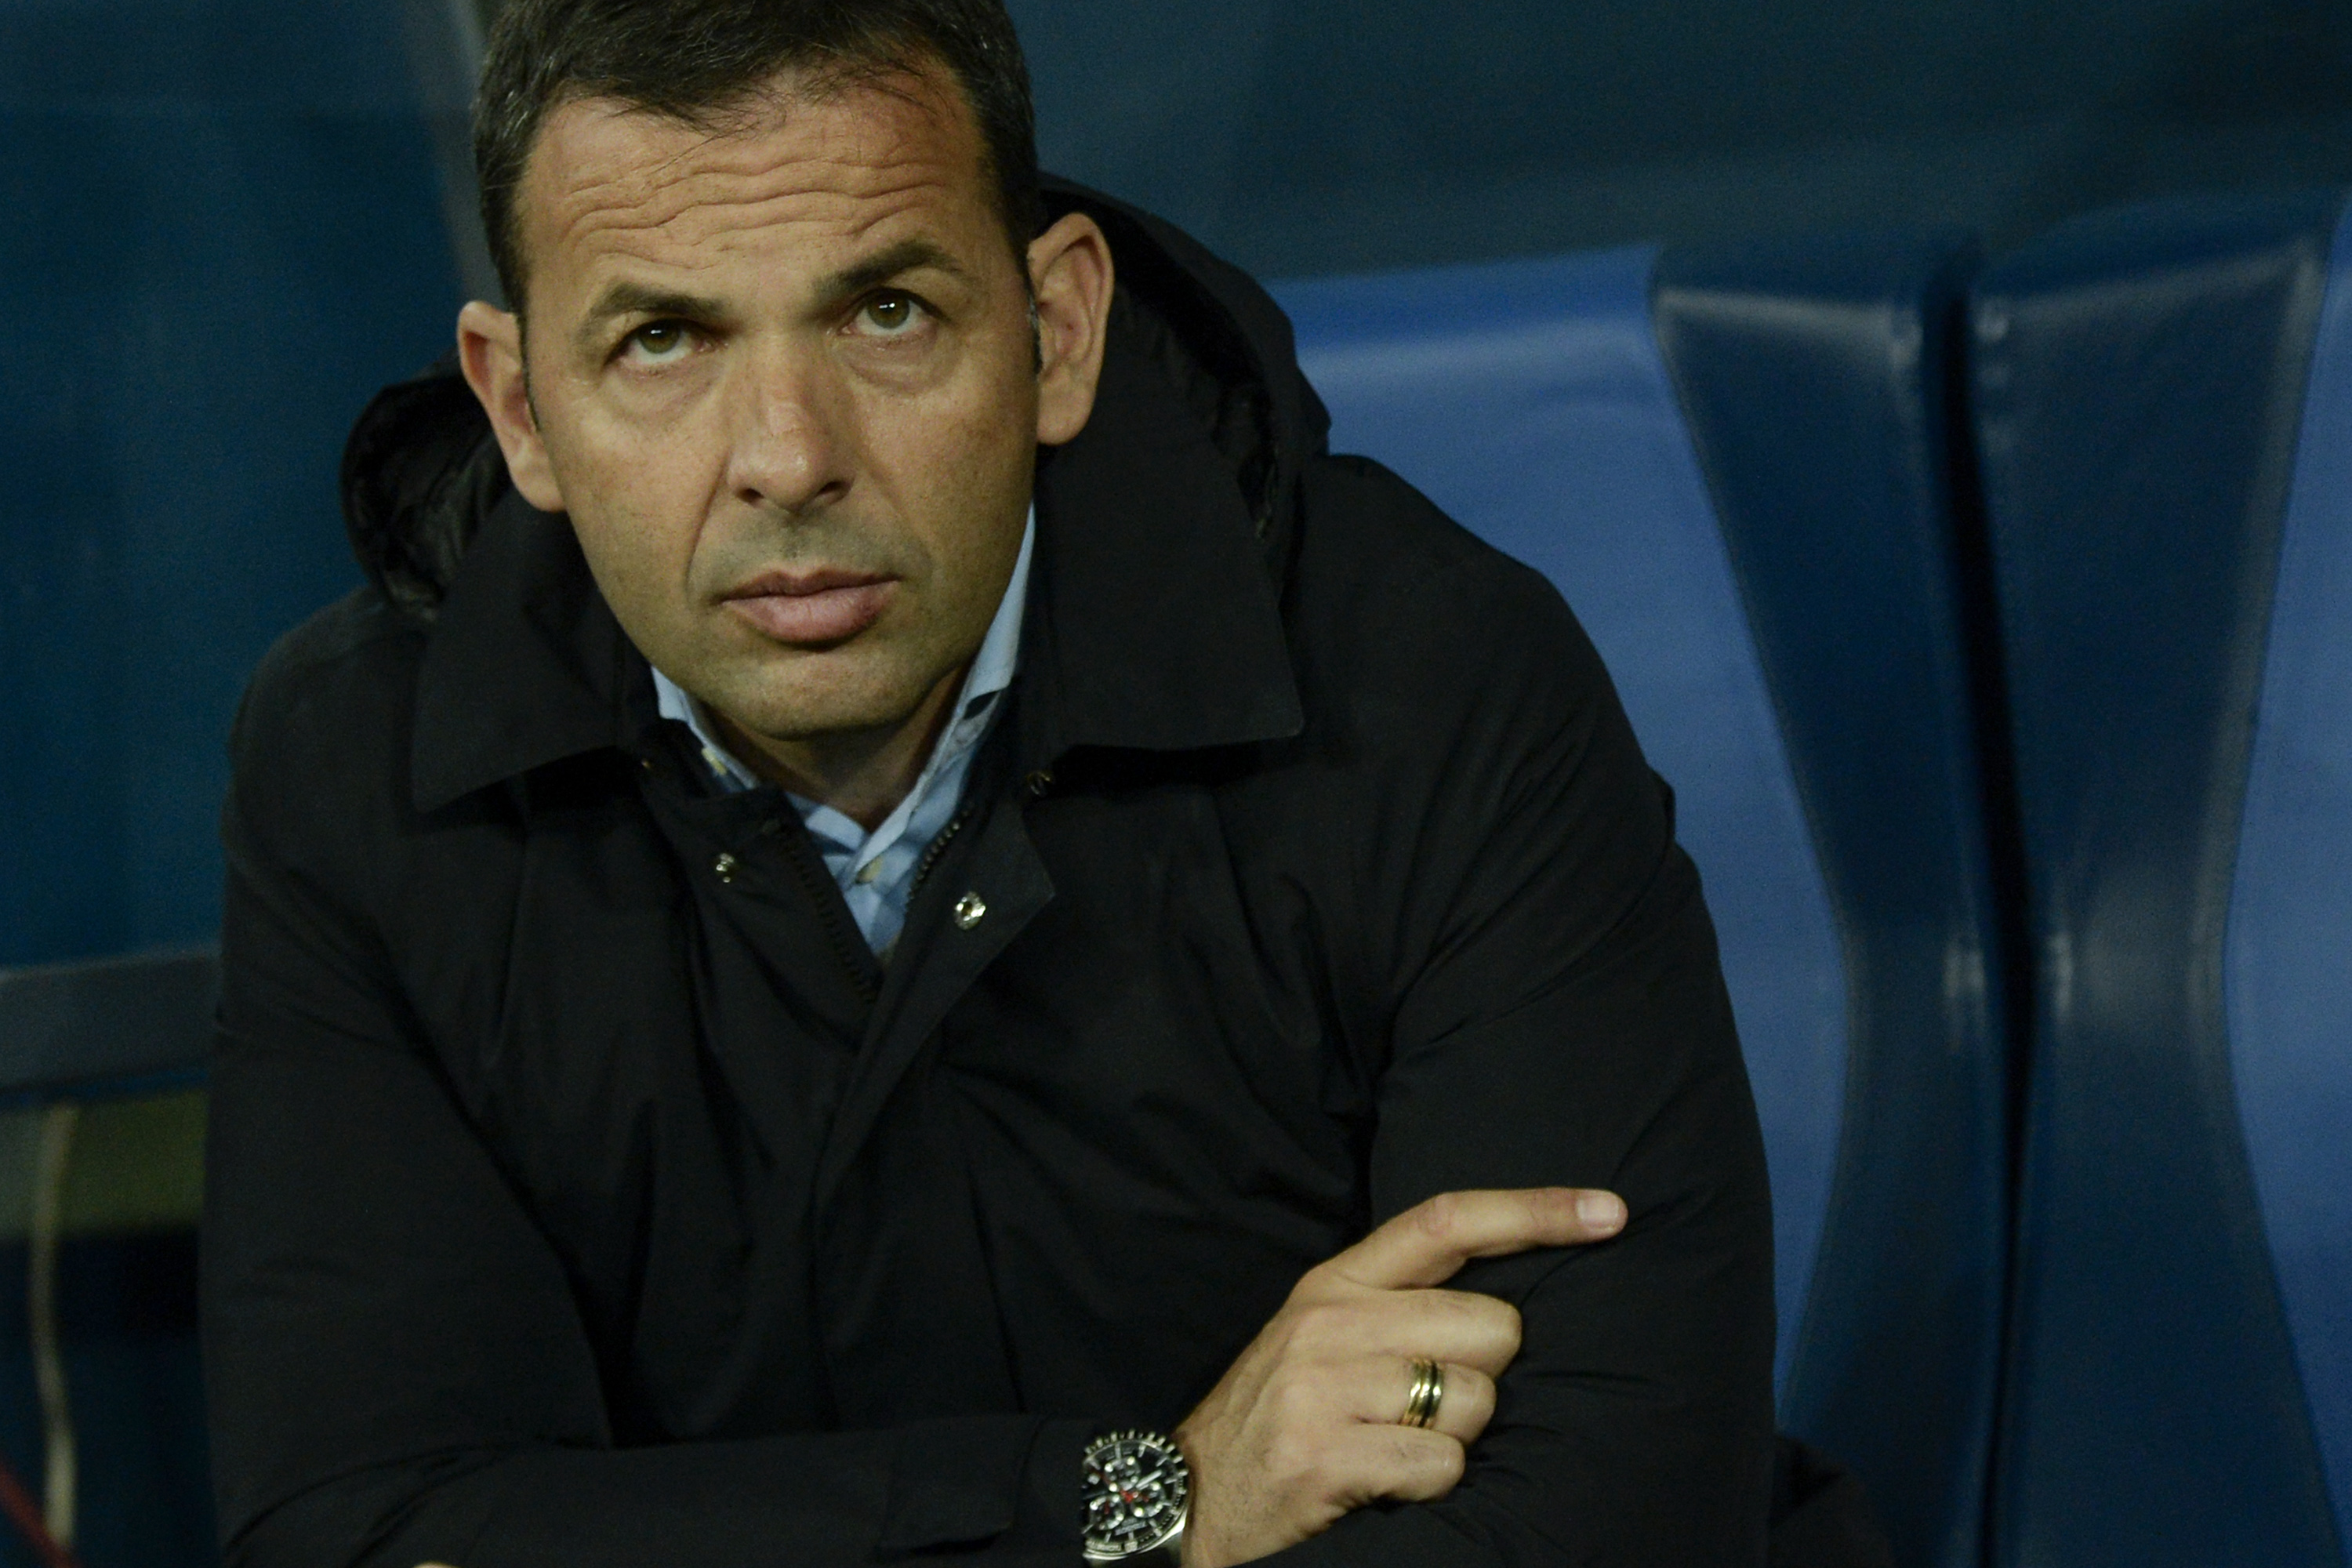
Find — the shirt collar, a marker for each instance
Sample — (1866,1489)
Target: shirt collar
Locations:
(992,668)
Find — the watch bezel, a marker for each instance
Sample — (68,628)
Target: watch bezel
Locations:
(1101,1551)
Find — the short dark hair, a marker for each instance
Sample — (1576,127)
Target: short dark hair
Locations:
(695,61)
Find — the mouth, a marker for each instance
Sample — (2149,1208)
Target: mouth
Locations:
(812,608)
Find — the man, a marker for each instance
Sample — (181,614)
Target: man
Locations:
(906,924)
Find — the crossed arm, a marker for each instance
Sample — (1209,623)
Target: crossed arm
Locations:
(1593,1409)
(1303,1429)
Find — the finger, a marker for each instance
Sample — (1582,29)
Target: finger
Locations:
(1429,1243)
(1408,1464)
(1409,1325)
(1465,1405)
(1465,1401)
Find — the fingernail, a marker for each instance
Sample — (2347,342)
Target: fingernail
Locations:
(1601,1210)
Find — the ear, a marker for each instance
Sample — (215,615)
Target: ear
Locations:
(489,348)
(1070,274)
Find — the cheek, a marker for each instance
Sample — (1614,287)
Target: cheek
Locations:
(640,494)
(958,456)
(637,516)
(631,571)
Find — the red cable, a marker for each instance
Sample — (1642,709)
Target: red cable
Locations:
(26,1515)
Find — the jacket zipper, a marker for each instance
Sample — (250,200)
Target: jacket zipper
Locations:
(939,846)
(833,914)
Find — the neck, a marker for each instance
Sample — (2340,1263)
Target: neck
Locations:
(861,774)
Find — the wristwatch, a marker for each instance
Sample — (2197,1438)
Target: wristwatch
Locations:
(1137,1490)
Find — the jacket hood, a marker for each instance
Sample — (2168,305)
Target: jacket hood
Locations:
(422,469)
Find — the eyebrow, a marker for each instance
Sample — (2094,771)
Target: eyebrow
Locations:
(907,255)
(626,298)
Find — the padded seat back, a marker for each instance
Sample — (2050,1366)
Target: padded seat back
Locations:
(225,230)
(2287,973)
(1734,466)
(226,221)
(2165,404)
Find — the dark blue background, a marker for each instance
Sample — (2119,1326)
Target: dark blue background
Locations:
(227,223)
(221,231)
(223,227)
(1308,136)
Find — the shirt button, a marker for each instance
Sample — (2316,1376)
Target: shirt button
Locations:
(724,867)
(969,909)
(1040,781)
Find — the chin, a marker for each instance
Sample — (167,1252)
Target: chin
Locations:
(797,708)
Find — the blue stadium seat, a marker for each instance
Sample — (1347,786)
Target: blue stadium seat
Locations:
(2164,403)
(226,220)
(1736,466)
(226,228)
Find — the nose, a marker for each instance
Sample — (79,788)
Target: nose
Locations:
(788,450)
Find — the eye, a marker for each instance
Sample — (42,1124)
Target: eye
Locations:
(657,342)
(891,314)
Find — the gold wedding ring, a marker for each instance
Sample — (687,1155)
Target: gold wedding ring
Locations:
(1428,1394)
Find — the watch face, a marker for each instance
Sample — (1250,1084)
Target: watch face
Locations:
(1136,1487)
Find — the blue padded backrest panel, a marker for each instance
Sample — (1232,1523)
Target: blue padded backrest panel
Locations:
(1531,402)
(2140,383)
(1815,374)
(2289,976)
(224,232)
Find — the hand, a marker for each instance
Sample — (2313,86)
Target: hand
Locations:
(1303,1428)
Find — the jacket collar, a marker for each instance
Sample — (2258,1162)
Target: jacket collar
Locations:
(1155,624)
(525,666)
(1153,621)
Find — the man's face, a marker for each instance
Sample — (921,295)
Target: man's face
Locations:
(784,382)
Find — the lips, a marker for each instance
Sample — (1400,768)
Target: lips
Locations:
(810,607)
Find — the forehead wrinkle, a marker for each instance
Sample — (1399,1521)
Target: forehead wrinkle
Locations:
(838,153)
(625,185)
(713,233)
(741,199)
(725,203)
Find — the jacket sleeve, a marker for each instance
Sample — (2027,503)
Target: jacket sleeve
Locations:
(1561,1019)
(396,1368)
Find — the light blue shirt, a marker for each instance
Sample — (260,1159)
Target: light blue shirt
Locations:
(876,871)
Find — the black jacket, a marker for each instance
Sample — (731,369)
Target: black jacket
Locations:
(582,1193)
